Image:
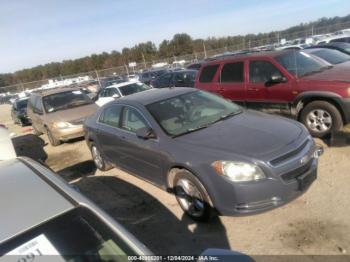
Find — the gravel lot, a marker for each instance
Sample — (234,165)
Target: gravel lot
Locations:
(316,223)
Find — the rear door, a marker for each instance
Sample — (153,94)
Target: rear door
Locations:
(109,133)
(265,96)
(232,84)
(208,78)
(164,80)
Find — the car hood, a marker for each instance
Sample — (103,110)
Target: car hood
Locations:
(249,133)
(73,114)
(338,72)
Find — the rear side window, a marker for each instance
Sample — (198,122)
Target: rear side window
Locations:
(232,72)
(208,73)
(111,115)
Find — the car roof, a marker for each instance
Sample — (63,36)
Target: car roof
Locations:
(247,55)
(122,84)
(184,71)
(46,92)
(154,95)
(27,200)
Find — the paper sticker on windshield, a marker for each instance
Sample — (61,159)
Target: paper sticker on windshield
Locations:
(305,54)
(78,92)
(34,249)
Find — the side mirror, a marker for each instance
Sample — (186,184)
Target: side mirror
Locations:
(276,80)
(115,96)
(145,133)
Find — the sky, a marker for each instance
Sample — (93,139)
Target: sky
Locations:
(41,31)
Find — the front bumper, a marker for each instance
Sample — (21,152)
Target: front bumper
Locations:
(68,133)
(235,199)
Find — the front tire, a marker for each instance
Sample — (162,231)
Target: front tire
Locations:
(98,159)
(35,131)
(192,196)
(52,139)
(321,118)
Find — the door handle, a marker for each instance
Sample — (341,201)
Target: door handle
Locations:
(252,89)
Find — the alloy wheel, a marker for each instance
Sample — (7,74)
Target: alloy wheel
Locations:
(319,120)
(190,197)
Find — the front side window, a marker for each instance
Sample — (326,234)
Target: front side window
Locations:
(262,71)
(300,64)
(133,88)
(208,73)
(191,111)
(70,236)
(111,115)
(65,100)
(133,120)
(232,72)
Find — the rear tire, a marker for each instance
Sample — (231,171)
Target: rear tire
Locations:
(321,118)
(192,196)
(52,139)
(98,159)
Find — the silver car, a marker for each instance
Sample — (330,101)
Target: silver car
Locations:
(42,215)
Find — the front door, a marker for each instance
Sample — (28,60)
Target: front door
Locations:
(140,156)
(264,94)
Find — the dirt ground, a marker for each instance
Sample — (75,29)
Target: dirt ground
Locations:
(317,223)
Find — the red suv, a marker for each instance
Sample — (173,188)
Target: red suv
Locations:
(288,82)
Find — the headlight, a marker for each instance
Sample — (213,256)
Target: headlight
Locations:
(238,171)
(62,125)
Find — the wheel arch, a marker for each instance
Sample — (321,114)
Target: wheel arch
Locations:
(171,175)
(306,98)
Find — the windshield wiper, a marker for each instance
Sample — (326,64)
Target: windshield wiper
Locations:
(223,117)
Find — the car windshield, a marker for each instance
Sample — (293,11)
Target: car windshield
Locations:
(65,100)
(191,111)
(300,64)
(69,237)
(21,104)
(331,56)
(133,88)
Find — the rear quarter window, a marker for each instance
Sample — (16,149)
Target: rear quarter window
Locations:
(208,73)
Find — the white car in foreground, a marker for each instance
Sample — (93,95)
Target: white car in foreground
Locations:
(115,91)
(7,150)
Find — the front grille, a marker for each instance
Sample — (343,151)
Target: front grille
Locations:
(291,175)
(290,154)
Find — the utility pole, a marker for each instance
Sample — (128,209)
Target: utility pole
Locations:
(278,37)
(127,70)
(205,51)
(144,60)
(98,78)
(312,30)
